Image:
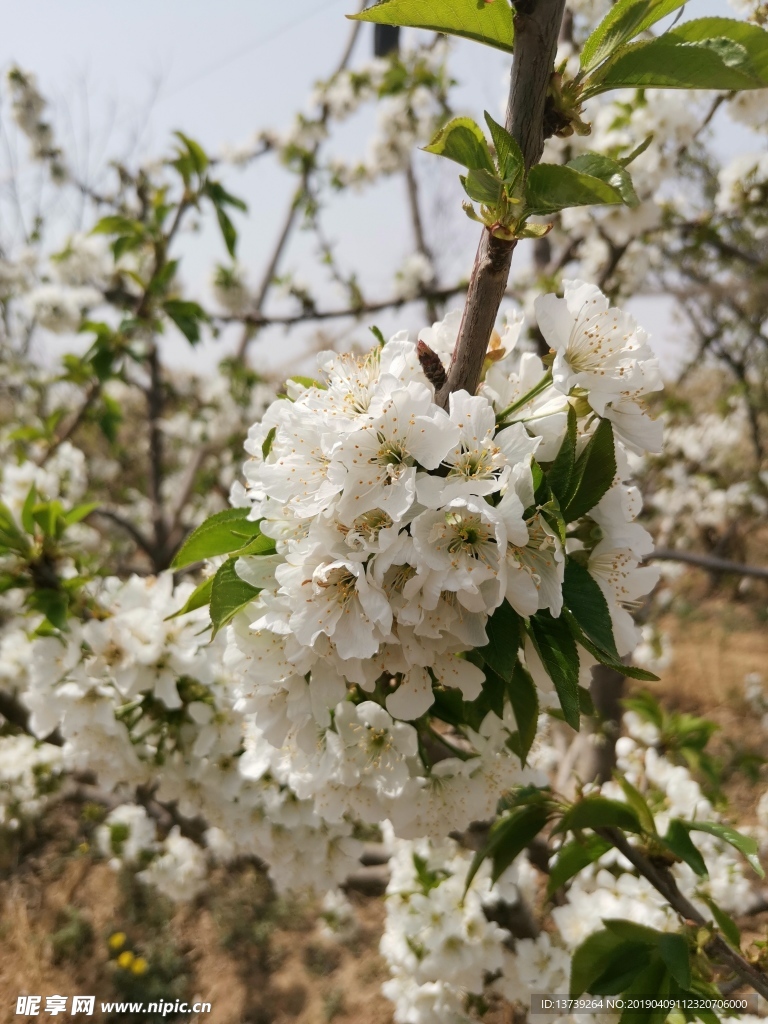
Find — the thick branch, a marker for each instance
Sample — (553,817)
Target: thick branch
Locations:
(537,26)
(663,882)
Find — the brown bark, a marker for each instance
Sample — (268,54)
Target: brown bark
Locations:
(537,27)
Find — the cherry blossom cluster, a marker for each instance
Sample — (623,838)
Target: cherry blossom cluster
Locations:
(446,951)
(399,527)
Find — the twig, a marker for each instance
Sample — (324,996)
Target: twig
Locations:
(256,320)
(419,235)
(708,562)
(537,25)
(91,393)
(252,326)
(663,882)
(141,541)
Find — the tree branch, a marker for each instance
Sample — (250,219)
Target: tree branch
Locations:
(419,236)
(309,316)
(708,562)
(252,327)
(537,26)
(662,881)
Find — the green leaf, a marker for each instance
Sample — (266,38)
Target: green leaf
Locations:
(221,534)
(553,187)
(625,161)
(599,812)
(711,53)
(115,225)
(639,805)
(109,416)
(266,447)
(508,837)
(54,605)
(574,857)
(483,187)
(489,23)
(79,512)
(654,979)
(556,648)
(630,671)
(463,141)
(724,921)
(229,594)
(163,277)
(609,171)
(525,704)
(196,152)
(30,501)
(187,316)
(593,473)
(509,157)
(680,843)
(746,845)
(673,950)
(600,958)
(228,232)
(560,471)
(672,946)
(199,598)
(752,38)
(586,602)
(501,651)
(220,197)
(625,20)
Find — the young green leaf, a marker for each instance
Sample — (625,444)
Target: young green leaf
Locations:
(187,316)
(630,671)
(525,704)
(674,61)
(745,34)
(609,171)
(508,837)
(601,963)
(556,649)
(586,602)
(462,140)
(501,651)
(553,187)
(54,605)
(679,841)
(593,473)
(229,594)
(482,187)
(639,805)
(599,812)
(509,157)
(199,598)
(724,921)
(228,232)
(489,23)
(195,151)
(560,471)
(220,534)
(746,845)
(573,857)
(625,20)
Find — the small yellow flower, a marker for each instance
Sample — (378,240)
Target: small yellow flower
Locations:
(116,940)
(126,959)
(139,966)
